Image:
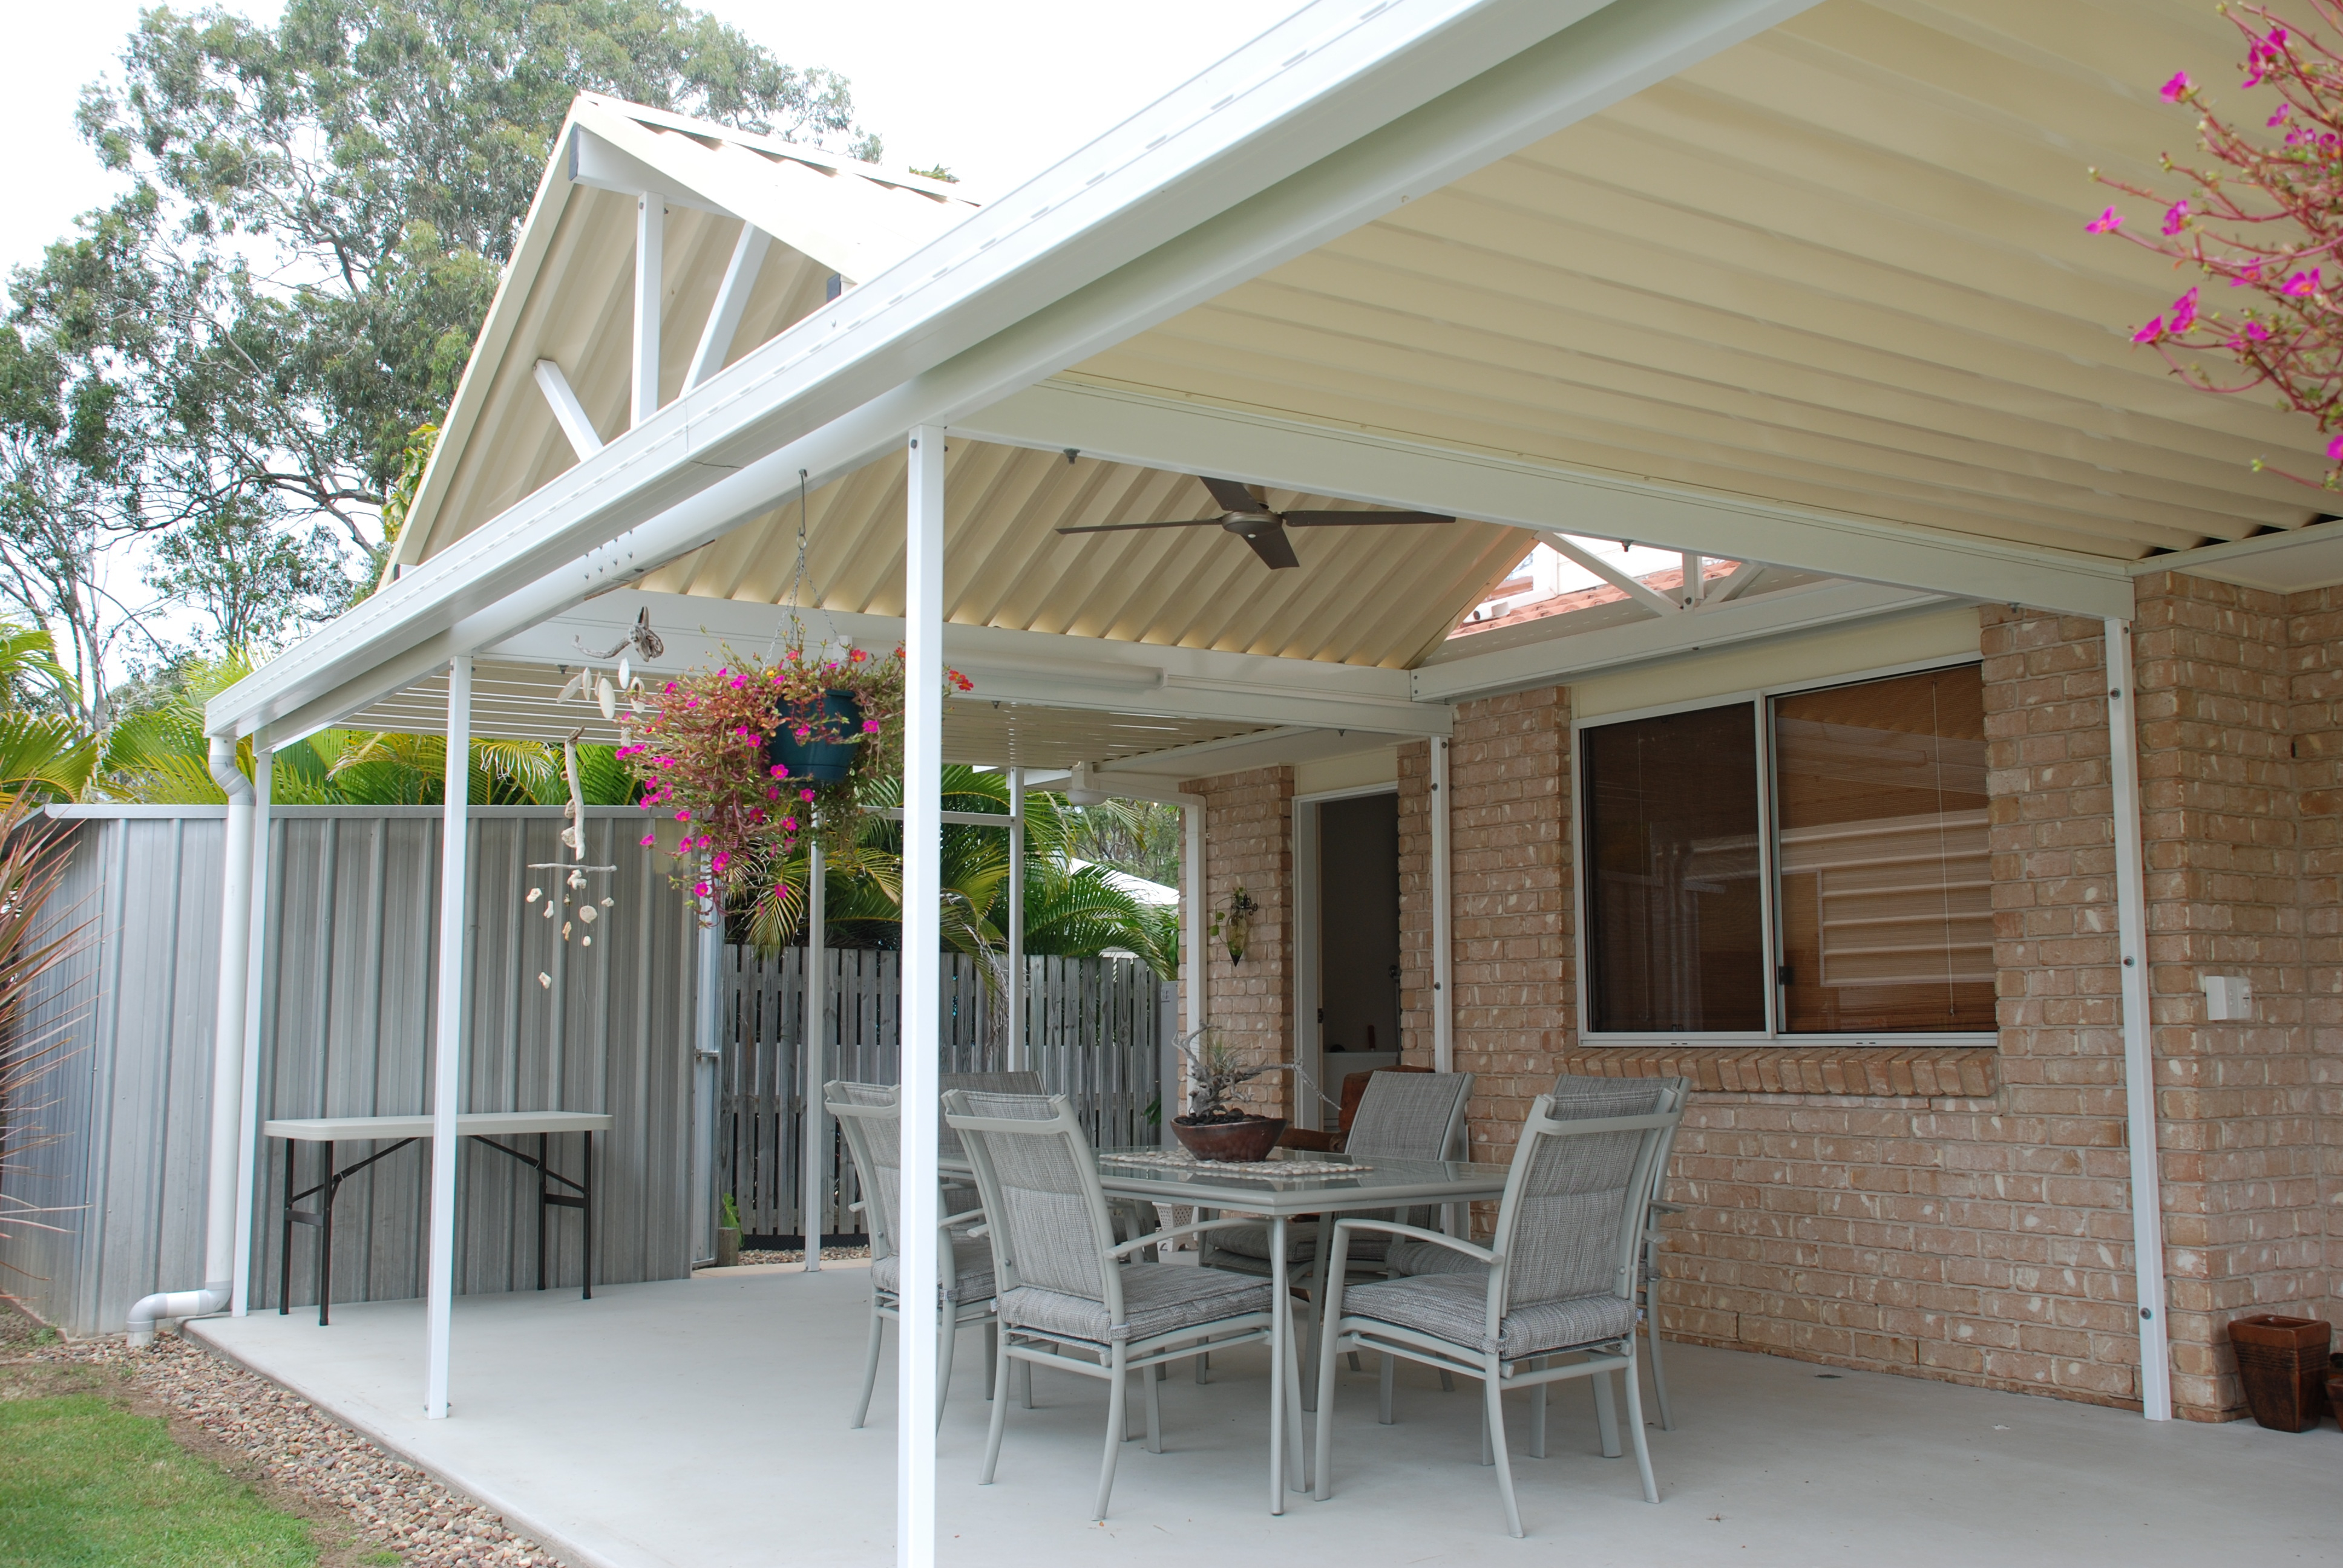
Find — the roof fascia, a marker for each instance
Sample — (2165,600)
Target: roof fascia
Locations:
(1568,658)
(2310,557)
(1259,449)
(1312,130)
(598,163)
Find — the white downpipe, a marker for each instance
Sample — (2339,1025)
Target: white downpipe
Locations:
(1443,1034)
(447,1039)
(1193,894)
(923,678)
(814,1047)
(255,970)
(1015,1001)
(2139,1052)
(228,1065)
(706,1059)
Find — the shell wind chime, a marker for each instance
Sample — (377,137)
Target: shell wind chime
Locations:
(571,899)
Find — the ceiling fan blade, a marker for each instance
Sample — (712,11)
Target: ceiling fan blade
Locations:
(1359,520)
(1275,550)
(1125,528)
(1232,496)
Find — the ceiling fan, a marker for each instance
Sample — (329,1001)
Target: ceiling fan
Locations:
(1249,516)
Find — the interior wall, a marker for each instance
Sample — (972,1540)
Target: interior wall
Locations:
(1358,941)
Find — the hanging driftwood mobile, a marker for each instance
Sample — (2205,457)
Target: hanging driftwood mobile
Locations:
(572,898)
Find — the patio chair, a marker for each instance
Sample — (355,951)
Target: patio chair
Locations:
(1557,1277)
(873,1122)
(1067,1297)
(1574,1096)
(1401,1116)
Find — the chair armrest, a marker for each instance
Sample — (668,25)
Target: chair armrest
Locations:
(1419,1232)
(1154,1237)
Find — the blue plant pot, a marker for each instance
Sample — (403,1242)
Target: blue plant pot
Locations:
(820,759)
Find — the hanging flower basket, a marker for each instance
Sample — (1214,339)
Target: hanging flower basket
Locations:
(756,755)
(818,743)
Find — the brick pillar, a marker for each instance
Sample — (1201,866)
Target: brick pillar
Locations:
(2314,689)
(1509,848)
(1249,841)
(2243,1225)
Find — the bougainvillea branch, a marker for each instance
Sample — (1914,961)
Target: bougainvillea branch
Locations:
(2263,218)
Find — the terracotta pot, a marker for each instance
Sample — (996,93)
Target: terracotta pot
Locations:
(2282,1361)
(1234,1141)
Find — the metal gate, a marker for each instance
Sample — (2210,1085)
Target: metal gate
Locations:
(1092,1030)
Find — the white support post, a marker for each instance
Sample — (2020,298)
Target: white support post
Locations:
(1195,919)
(567,412)
(706,1061)
(732,299)
(2139,1052)
(255,970)
(448,1039)
(1694,567)
(651,262)
(813,1046)
(923,677)
(1015,1000)
(1443,1039)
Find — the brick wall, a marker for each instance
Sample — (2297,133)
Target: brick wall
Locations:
(1249,841)
(2315,691)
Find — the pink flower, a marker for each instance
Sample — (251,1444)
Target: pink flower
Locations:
(2107,222)
(668,689)
(2257,332)
(2301,283)
(790,823)
(683,816)
(700,888)
(720,862)
(2278,118)
(2150,333)
(869,726)
(780,769)
(2251,272)
(805,794)
(2178,89)
(2334,450)
(2175,217)
(2184,312)
(648,839)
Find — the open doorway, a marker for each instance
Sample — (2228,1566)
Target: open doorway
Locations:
(1348,865)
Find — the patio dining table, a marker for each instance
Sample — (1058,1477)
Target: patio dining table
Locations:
(1293,1182)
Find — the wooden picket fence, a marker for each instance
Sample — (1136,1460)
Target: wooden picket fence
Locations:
(1092,1030)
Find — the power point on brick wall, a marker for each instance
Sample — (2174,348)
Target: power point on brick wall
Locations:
(2228,998)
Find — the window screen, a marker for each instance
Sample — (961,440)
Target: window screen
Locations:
(1675,935)
(1886,914)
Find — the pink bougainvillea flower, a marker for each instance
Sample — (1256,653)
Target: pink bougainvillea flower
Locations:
(2178,89)
(2175,217)
(2184,312)
(2107,222)
(2150,333)
(2301,283)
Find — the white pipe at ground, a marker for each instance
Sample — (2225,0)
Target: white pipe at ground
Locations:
(247,1140)
(228,1066)
(813,1045)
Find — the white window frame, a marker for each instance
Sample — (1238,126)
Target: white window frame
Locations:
(1309,1043)
(1760,700)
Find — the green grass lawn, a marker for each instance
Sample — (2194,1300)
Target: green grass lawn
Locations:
(83,1482)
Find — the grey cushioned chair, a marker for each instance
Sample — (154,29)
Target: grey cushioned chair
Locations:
(1558,1278)
(1574,1096)
(1402,1116)
(1068,1299)
(869,1115)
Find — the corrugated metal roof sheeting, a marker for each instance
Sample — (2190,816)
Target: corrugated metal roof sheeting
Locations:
(1841,264)
(346,1027)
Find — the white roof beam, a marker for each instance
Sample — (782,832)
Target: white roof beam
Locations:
(650,291)
(1327,120)
(1641,592)
(732,299)
(596,165)
(1558,660)
(1258,448)
(1733,586)
(567,412)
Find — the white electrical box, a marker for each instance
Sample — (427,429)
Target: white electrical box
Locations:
(2228,998)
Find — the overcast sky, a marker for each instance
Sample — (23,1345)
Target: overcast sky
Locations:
(996,91)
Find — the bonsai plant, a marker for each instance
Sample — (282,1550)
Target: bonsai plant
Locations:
(714,749)
(1213,1128)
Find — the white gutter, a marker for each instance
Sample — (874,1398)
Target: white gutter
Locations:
(1328,121)
(2139,1049)
(227,1066)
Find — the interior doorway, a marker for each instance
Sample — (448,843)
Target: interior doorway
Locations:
(1347,866)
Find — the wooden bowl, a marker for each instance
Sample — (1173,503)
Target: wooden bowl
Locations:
(1235,1142)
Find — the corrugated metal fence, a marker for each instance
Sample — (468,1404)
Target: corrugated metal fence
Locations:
(1093,1031)
(344,1030)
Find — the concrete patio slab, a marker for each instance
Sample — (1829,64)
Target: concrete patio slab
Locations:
(704,1423)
